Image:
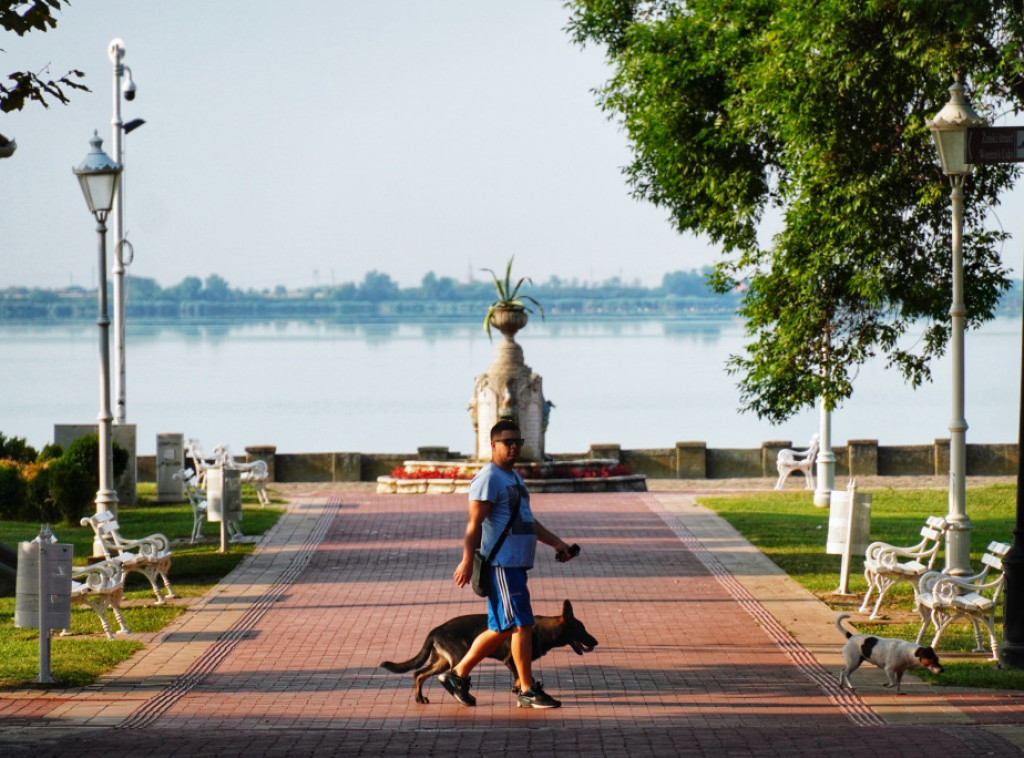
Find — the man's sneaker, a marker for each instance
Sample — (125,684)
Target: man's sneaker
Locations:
(458,686)
(536,697)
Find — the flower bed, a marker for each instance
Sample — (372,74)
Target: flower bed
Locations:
(586,475)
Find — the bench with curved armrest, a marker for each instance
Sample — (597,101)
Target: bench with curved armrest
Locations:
(255,472)
(789,461)
(101,587)
(942,599)
(149,556)
(197,499)
(885,564)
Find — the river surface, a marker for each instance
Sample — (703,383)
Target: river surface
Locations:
(391,388)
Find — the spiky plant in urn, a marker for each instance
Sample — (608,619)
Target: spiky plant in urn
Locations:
(507,314)
(509,389)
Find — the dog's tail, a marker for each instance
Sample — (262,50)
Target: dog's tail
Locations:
(839,624)
(415,662)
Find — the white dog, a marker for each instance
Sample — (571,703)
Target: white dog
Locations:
(893,656)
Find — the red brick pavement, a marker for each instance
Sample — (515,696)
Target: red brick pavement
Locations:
(687,663)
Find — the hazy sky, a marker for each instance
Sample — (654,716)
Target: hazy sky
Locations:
(312,142)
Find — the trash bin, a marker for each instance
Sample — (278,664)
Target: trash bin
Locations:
(844,529)
(849,525)
(170,459)
(223,494)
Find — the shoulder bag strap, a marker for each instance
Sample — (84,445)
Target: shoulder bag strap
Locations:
(506,530)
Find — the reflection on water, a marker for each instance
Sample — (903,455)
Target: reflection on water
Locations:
(309,386)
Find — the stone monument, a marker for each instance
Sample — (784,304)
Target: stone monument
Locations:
(509,389)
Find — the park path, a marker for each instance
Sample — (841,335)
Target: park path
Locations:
(705,648)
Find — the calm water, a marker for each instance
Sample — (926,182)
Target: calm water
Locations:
(315,387)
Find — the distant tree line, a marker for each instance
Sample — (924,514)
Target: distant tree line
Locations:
(376,296)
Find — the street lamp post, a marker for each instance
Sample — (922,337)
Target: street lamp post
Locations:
(826,460)
(98,176)
(949,130)
(116,52)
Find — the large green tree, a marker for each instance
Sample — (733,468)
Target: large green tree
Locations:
(22,17)
(812,113)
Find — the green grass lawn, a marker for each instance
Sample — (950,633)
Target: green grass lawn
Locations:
(80,659)
(787,528)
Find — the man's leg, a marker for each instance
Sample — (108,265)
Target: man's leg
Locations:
(522,655)
(531,694)
(457,680)
(485,644)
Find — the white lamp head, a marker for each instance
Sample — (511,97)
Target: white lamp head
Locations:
(98,176)
(949,130)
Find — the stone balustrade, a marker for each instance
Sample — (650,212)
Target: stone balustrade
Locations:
(686,460)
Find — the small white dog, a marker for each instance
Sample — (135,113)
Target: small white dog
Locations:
(894,657)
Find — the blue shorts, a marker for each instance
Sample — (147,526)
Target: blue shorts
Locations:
(508,604)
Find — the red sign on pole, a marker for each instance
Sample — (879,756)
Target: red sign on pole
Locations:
(994,144)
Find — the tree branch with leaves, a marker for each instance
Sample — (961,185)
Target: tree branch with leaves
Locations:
(814,113)
(22,87)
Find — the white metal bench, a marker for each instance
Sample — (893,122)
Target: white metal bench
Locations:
(149,556)
(798,460)
(942,598)
(199,461)
(255,472)
(885,564)
(101,587)
(200,506)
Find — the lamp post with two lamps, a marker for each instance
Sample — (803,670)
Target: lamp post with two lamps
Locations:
(949,130)
(98,176)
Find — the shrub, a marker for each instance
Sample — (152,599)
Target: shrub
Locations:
(40,505)
(70,489)
(16,449)
(13,492)
(51,452)
(85,451)
(59,487)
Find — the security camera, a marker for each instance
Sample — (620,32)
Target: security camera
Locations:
(128,88)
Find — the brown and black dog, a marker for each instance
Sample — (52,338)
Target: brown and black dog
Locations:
(448,643)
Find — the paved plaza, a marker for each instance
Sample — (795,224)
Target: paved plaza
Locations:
(706,648)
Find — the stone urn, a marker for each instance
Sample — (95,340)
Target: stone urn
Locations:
(509,389)
(508,321)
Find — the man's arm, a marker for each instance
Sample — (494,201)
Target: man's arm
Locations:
(550,538)
(478,511)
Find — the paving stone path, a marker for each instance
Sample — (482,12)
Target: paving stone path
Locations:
(705,649)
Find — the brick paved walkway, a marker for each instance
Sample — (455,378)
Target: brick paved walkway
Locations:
(705,649)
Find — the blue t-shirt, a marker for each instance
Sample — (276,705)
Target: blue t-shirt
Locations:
(502,489)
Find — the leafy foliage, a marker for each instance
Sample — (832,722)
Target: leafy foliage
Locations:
(16,449)
(21,18)
(54,486)
(815,113)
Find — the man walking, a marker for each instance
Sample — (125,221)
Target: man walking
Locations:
(493,495)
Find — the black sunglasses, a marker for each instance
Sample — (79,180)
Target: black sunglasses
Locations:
(510,442)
